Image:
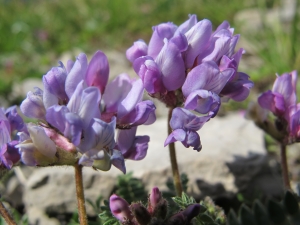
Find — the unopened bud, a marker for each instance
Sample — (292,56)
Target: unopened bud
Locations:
(185,216)
(119,207)
(140,213)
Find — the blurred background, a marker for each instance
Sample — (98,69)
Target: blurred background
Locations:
(35,34)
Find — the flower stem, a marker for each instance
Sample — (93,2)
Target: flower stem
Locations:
(80,195)
(5,214)
(284,166)
(175,170)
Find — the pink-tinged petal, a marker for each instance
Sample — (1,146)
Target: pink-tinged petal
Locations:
(154,198)
(172,67)
(41,141)
(120,208)
(76,75)
(134,96)
(116,91)
(238,89)
(97,71)
(117,160)
(203,101)
(206,76)
(187,25)
(138,49)
(140,114)
(160,32)
(56,116)
(60,141)
(33,105)
(150,73)
(89,107)
(198,39)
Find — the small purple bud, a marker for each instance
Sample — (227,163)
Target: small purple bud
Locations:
(119,207)
(154,198)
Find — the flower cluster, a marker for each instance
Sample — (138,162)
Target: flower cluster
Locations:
(10,124)
(282,102)
(78,113)
(190,67)
(154,213)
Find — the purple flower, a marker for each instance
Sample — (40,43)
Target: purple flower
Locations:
(185,126)
(282,96)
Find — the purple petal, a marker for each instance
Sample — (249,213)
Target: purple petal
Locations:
(193,139)
(11,155)
(56,116)
(187,25)
(76,75)
(15,120)
(73,128)
(140,114)
(160,32)
(198,38)
(75,100)
(70,65)
(97,71)
(238,89)
(206,76)
(150,73)
(134,96)
(33,105)
(116,91)
(273,102)
(172,67)
(41,141)
(138,49)
(132,147)
(4,134)
(117,160)
(203,101)
(120,208)
(89,106)
(176,135)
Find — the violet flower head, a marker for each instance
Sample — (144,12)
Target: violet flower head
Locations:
(80,114)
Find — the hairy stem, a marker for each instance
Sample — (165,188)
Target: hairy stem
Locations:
(5,214)
(80,195)
(284,166)
(175,170)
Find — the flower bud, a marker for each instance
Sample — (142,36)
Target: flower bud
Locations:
(140,213)
(185,216)
(120,208)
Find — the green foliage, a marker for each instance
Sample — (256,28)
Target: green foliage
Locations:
(275,213)
(130,188)
(106,216)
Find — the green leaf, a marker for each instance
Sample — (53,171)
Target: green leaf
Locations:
(205,218)
(291,203)
(246,216)
(260,213)
(276,212)
(232,218)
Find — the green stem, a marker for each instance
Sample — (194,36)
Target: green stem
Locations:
(80,195)
(7,217)
(175,170)
(284,167)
